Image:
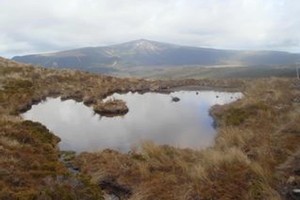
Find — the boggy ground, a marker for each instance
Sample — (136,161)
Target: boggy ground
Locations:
(30,166)
(256,154)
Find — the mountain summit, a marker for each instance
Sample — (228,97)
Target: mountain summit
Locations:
(146,45)
(147,54)
(143,46)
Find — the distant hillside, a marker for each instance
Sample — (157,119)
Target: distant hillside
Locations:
(145,53)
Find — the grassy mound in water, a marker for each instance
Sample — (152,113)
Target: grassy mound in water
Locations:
(112,107)
(255,155)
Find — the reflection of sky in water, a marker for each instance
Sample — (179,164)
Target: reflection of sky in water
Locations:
(151,116)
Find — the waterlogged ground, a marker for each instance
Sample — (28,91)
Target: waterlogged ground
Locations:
(151,116)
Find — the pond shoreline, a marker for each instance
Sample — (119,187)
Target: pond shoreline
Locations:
(200,88)
(188,116)
(115,110)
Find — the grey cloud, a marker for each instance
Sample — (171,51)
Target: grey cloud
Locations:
(32,26)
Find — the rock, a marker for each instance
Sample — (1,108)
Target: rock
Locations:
(175,99)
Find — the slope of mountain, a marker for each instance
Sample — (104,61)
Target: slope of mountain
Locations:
(150,54)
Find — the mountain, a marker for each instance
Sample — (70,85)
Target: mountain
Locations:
(148,54)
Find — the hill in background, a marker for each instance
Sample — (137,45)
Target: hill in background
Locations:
(151,59)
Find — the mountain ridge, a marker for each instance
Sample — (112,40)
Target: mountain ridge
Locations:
(145,53)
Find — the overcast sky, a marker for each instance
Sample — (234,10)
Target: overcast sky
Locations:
(34,26)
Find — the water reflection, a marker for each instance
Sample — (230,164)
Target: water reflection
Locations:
(151,116)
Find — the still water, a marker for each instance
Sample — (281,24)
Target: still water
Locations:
(151,117)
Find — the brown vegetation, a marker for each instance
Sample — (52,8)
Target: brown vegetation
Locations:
(256,135)
(29,159)
(110,108)
(256,153)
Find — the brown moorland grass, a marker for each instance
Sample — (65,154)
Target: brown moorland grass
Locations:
(256,135)
(255,155)
(29,159)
